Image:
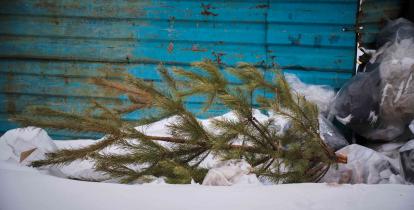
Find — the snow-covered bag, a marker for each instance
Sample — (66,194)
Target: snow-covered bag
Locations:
(231,172)
(378,103)
(364,166)
(35,142)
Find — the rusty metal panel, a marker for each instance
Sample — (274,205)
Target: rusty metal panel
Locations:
(49,49)
(373,15)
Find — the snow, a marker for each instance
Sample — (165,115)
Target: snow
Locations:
(25,188)
(319,94)
(229,173)
(16,141)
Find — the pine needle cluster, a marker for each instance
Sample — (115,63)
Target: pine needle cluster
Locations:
(295,155)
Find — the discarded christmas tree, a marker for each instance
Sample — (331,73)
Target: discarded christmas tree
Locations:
(295,155)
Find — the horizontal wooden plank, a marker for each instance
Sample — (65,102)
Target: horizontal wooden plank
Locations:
(127,51)
(64,87)
(143,9)
(332,79)
(313,12)
(311,58)
(139,30)
(178,52)
(6,125)
(77,69)
(52,85)
(67,69)
(85,70)
(133,30)
(309,35)
(211,10)
(16,103)
(69,104)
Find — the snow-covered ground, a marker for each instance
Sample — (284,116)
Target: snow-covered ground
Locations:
(22,187)
(26,188)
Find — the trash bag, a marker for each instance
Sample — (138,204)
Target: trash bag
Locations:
(396,30)
(407,161)
(357,103)
(377,104)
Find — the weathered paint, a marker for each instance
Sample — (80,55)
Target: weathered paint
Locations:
(372,17)
(49,49)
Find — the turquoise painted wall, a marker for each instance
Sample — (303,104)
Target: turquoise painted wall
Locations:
(50,48)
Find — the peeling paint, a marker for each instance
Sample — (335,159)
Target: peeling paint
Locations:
(170,47)
(317,41)
(262,6)
(206,10)
(333,38)
(10,98)
(295,40)
(196,48)
(218,57)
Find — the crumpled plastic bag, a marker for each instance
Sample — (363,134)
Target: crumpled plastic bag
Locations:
(398,29)
(330,134)
(377,104)
(20,141)
(357,103)
(229,173)
(364,166)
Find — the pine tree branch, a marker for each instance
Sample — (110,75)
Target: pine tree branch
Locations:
(300,150)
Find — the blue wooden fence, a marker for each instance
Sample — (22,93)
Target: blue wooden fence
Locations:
(50,48)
